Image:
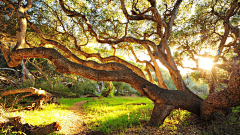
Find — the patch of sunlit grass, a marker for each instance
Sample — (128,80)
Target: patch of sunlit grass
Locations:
(49,114)
(67,102)
(176,117)
(119,114)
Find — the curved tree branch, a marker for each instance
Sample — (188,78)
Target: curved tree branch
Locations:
(112,58)
(73,57)
(141,17)
(227,27)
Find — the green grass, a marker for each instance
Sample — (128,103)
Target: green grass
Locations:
(49,114)
(67,102)
(118,114)
(109,115)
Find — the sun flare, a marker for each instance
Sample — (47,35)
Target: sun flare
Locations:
(205,63)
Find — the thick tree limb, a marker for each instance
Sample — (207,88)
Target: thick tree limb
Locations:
(157,69)
(25,90)
(173,16)
(227,98)
(112,58)
(92,64)
(179,99)
(149,74)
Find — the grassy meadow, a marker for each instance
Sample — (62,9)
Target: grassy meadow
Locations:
(108,115)
(117,115)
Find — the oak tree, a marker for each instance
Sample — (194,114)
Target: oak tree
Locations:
(59,31)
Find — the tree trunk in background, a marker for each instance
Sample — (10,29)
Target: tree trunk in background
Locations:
(26,72)
(97,87)
(102,85)
(110,90)
(159,76)
(42,74)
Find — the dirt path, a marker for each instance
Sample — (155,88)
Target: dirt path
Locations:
(74,122)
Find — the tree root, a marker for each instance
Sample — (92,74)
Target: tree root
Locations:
(160,112)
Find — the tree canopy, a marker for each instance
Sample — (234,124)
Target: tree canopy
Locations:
(167,31)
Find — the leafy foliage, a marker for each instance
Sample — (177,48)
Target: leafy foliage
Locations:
(84,88)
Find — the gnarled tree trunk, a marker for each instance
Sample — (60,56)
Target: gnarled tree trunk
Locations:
(220,101)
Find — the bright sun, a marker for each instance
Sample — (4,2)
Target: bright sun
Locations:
(205,63)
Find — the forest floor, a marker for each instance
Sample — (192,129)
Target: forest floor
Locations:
(75,123)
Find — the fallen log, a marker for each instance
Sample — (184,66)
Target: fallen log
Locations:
(25,90)
(44,94)
(18,124)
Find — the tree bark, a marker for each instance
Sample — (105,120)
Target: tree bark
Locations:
(97,87)
(160,112)
(220,101)
(159,76)
(102,85)
(212,87)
